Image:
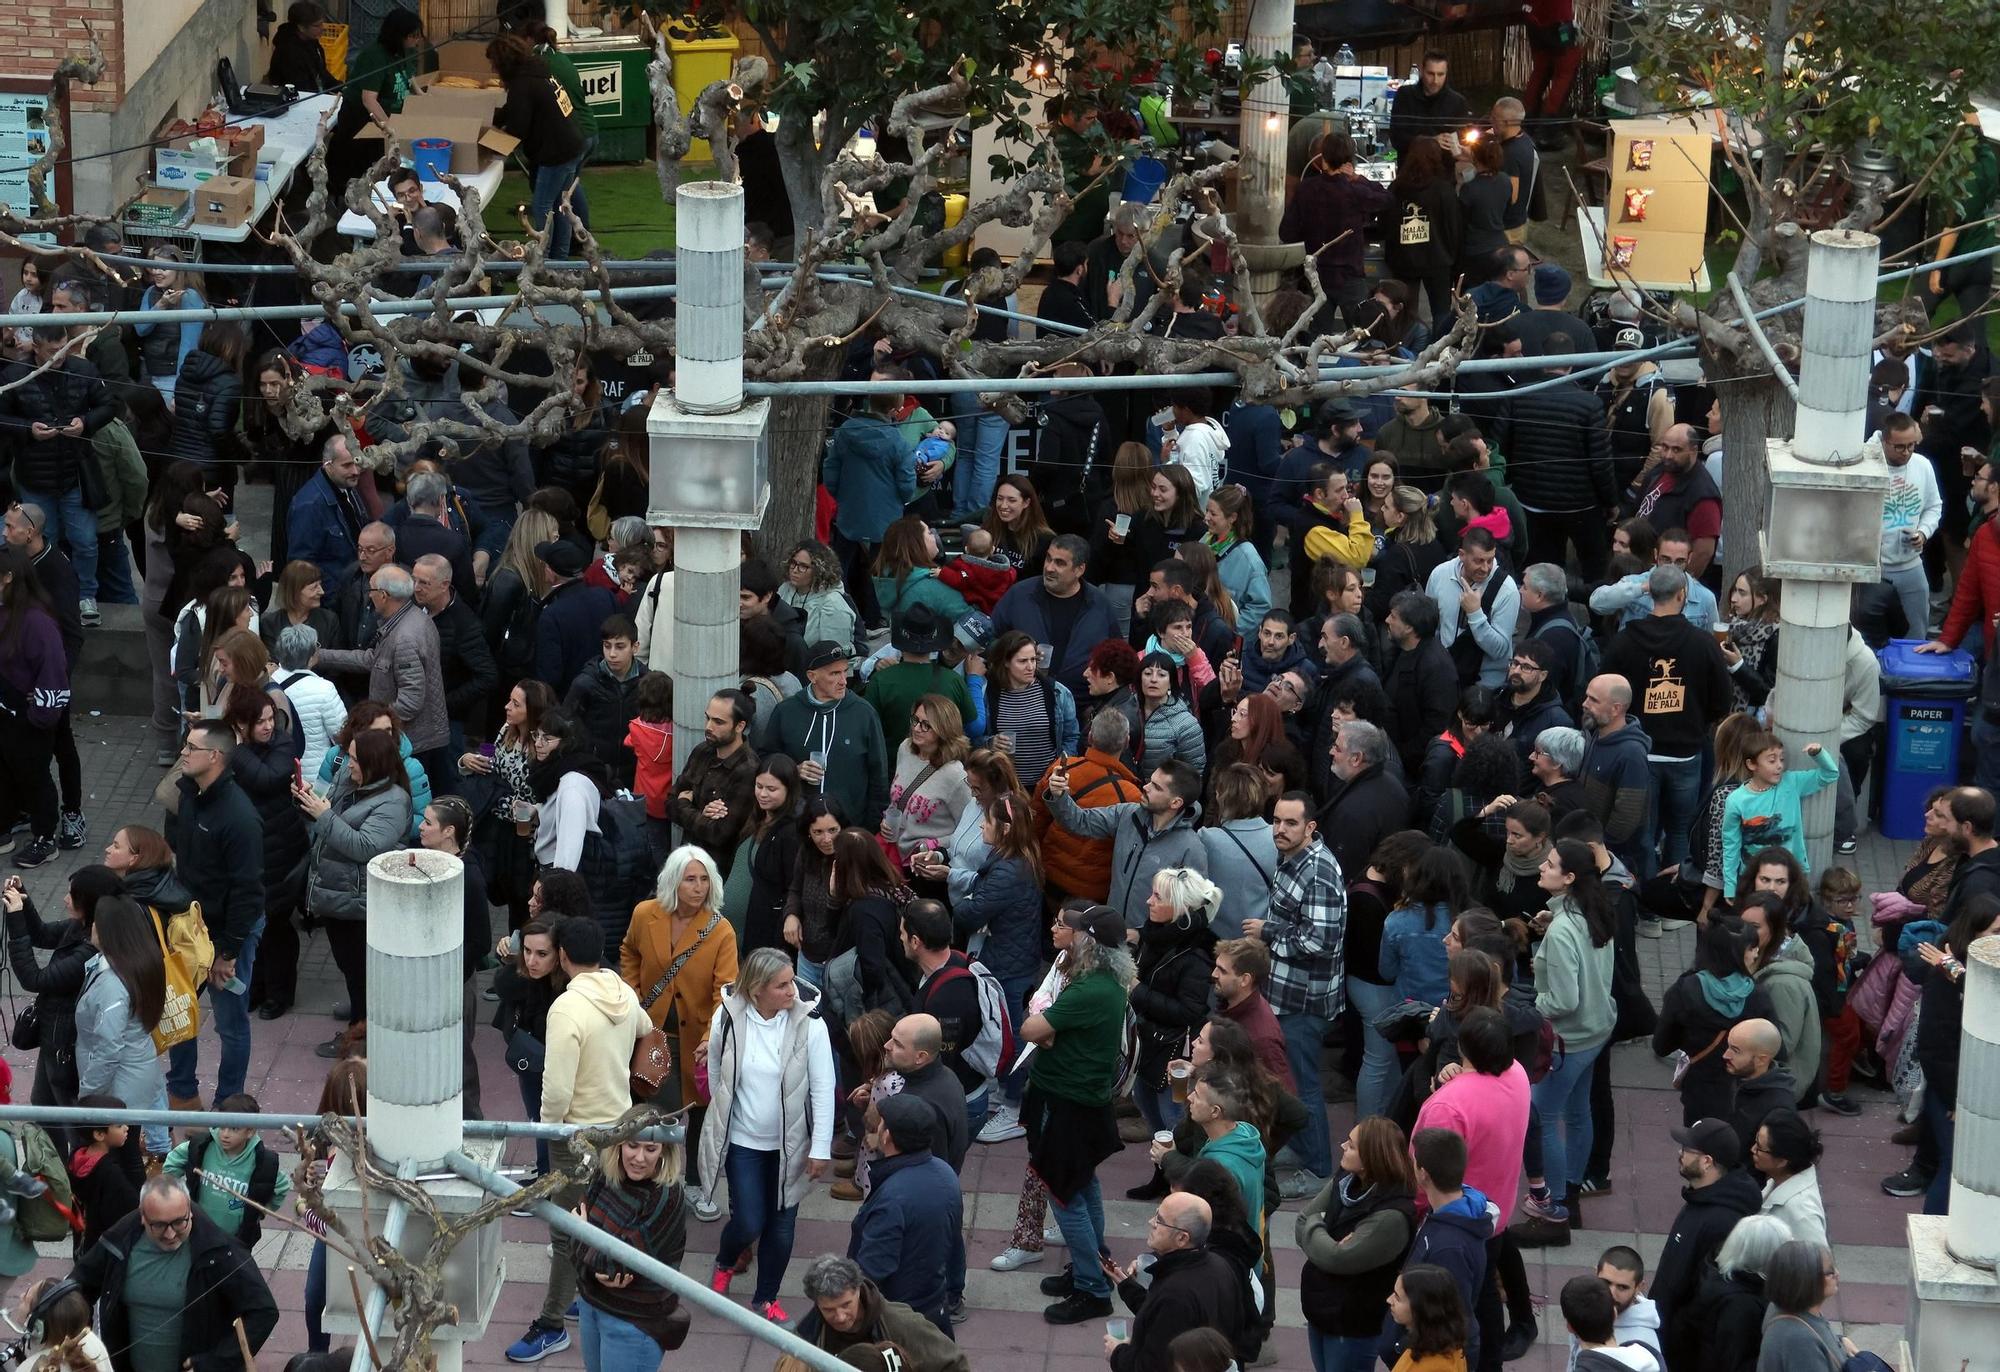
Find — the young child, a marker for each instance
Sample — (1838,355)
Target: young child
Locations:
(977,574)
(30,299)
(104,1174)
(939,445)
(223,1167)
(1840,1027)
(604,696)
(651,739)
(1764,810)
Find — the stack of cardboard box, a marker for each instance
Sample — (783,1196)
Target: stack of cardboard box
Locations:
(458,102)
(209,178)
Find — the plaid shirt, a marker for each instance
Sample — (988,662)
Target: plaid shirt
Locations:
(1308,920)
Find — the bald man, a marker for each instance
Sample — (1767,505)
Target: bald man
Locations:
(913,1049)
(1191,1288)
(1615,773)
(1761,1085)
(914,1046)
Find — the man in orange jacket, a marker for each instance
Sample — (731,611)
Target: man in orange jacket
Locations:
(1079,866)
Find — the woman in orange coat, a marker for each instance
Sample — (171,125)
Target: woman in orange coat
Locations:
(678,955)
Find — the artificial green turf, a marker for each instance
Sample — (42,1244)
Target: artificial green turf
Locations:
(626,212)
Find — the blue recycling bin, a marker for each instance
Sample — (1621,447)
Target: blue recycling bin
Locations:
(1924,698)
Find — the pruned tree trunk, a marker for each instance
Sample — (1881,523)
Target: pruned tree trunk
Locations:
(1753,409)
(797,426)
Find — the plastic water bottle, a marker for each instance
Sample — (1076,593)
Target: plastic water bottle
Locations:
(1411,79)
(1345,57)
(1323,83)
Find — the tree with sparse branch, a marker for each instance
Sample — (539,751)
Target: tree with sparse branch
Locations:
(1800,89)
(850,222)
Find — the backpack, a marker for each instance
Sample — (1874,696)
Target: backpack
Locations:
(53,1214)
(1588,659)
(991,1051)
(619,863)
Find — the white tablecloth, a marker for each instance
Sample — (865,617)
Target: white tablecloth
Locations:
(288,141)
(486,181)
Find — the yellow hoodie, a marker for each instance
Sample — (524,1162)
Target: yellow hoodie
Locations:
(587,1068)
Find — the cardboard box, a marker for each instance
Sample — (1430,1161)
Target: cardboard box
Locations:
(464,57)
(463,133)
(502,144)
(224,202)
(431,98)
(180,163)
(160,207)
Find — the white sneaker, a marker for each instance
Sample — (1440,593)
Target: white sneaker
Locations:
(87,608)
(705,1209)
(1013,1258)
(1052,1233)
(1003,1126)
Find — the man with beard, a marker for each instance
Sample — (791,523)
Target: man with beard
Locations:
(1762,1086)
(1675,492)
(1531,702)
(1718,1193)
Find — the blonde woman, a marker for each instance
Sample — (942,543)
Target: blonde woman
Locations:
(1410,550)
(929,791)
(1170,1000)
(626,1321)
(679,955)
(512,593)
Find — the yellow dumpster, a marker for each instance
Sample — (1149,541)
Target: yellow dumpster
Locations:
(698,61)
(333,42)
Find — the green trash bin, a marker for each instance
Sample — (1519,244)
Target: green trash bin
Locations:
(612,70)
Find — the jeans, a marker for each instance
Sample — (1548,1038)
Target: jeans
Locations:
(1937,1200)
(531,1102)
(1303,1034)
(69,521)
(811,972)
(1017,990)
(614,1345)
(982,443)
(549,185)
(755,1180)
(1549,534)
(1082,1224)
(1379,1073)
(114,572)
(977,1108)
(1985,751)
(27,788)
(1331,1354)
(1563,1097)
(231,1011)
(1673,793)
(316,1337)
(1157,1105)
(1913,589)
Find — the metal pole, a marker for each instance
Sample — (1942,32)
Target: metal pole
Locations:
(708,380)
(378,1294)
(1972,1231)
(237,1119)
(1815,614)
(652,1269)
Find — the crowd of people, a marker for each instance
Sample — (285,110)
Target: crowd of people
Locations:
(1124,798)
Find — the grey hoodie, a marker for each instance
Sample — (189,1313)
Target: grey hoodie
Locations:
(1138,851)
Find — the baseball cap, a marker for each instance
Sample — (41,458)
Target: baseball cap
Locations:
(825,653)
(1104,924)
(974,631)
(1715,1137)
(1628,337)
(563,557)
(1552,284)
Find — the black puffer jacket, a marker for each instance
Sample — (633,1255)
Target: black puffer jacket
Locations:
(50,466)
(264,771)
(1170,998)
(1558,453)
(56,983)
(207,400)
(575,459)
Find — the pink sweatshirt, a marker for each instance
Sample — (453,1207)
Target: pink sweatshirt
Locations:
(1495,522)
(1491,1115)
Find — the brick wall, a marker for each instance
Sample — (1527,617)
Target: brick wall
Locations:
(40,32)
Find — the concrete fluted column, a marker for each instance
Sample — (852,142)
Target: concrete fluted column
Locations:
(416,979)
(708,380)
(1266,111)
(1973,1228)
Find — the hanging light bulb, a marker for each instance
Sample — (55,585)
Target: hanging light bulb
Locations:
(1040,70)
(1272,123)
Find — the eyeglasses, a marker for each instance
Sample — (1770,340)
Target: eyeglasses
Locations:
(197,748)
(170,1226)
(1155,1219)
(800,564)
(543,736)
(923,724)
